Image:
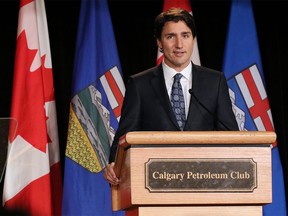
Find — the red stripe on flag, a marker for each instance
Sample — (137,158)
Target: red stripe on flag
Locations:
(261,106)
(24,2)
(184,4)
(116,92)
(159,60)
(32,200)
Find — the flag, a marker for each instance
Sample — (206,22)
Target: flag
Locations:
(97,96)
(33,181)
(184,4)
(243,69)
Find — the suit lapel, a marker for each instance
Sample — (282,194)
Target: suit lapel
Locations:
(195,88)
(158,83)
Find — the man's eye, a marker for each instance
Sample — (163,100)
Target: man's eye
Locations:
(170,36)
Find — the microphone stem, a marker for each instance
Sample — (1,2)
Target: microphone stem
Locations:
(203,106)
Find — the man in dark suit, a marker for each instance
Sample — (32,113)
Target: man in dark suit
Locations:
(155,100)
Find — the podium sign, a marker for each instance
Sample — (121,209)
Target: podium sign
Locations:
(201,175)
(193,169)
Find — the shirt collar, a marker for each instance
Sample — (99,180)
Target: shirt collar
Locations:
(169,72)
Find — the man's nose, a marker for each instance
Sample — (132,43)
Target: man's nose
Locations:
(179,42)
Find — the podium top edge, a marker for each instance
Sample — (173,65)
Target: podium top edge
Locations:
(198,137)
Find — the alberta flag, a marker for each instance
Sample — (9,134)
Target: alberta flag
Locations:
(243,70)
(95,108)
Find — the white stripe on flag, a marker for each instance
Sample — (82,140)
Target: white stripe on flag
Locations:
(112,100)
(270,117)
(118,78)
(109,92)
(258,81)
(244,89)
(259,124)
(25,163)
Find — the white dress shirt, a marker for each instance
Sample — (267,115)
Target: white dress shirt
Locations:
(186,82)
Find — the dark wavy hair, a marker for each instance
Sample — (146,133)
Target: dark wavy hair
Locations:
(174,15)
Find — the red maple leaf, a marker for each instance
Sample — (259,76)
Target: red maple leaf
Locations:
(29,97)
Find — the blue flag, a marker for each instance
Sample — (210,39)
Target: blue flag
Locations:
(243,70)
(95,108)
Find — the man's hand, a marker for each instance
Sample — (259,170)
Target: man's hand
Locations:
(110,175)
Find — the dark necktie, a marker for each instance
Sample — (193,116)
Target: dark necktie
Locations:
(177,101)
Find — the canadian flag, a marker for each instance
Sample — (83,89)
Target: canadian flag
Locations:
(184,4)
(33,181)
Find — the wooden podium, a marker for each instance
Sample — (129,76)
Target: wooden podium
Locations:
(193,173)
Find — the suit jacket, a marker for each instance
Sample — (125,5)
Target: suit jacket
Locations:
(147,106)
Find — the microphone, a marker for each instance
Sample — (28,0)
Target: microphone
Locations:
(210,113)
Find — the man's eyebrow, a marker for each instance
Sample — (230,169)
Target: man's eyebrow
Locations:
(170,33)
(173,33)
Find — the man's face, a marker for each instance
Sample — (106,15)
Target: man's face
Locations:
(177,44)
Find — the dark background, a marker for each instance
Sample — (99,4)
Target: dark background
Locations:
(133,28)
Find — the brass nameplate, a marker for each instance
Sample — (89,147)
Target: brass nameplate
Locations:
(201,175)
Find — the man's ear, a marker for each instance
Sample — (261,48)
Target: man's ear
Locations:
(194,39)
(159,44)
